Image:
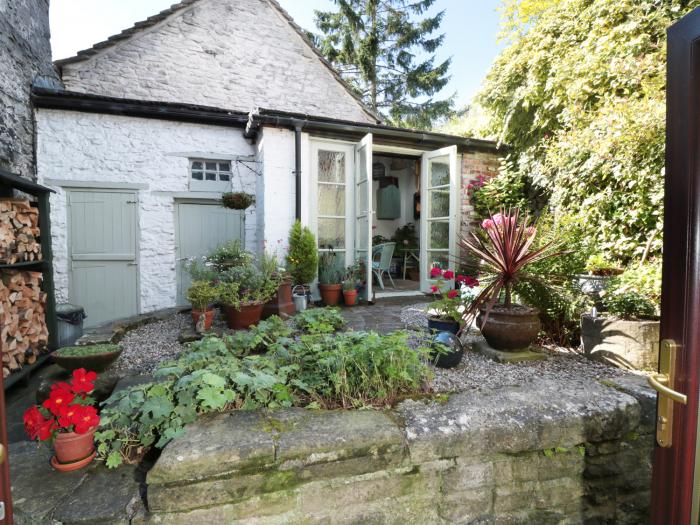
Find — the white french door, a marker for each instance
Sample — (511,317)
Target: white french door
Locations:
(363,209)
(439,222)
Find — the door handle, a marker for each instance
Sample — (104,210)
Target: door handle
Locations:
(2,454)
(663,382)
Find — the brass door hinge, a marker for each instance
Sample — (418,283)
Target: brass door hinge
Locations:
(663,382)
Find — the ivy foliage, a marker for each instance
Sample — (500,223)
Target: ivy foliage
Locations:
(304,362)
(579,96)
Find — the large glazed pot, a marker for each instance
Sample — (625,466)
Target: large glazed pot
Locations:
(247,316)
(281,303)
(331,293)
(442,325)
(509,329)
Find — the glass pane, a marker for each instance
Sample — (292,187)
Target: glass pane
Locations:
(363,164)
(439,171)
(331,199)
(197,175)
(211,166)
(331,166)
(362,237)
(331,233)
(211,175)
(224,166)
(439,259)
(439,203)
(225,176)
(439,235)
(361,198)
(196,165)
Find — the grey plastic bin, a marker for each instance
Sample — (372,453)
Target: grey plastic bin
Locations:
(70,323)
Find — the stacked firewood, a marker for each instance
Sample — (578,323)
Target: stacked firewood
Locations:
(23,332)
(19,232)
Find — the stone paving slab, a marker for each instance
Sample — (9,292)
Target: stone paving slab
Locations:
(384,316)
(91,496)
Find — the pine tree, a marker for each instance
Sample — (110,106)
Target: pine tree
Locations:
(386,51)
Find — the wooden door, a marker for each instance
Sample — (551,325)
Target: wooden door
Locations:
(675,474)
(103,236)
(200,229)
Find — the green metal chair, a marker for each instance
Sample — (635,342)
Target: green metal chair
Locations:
(382,266)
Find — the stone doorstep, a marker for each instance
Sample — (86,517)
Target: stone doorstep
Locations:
(94,495)
(530,354)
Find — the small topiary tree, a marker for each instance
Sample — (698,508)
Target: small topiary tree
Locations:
(302,258)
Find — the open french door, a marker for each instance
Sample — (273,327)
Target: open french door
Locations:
(676,473)
(363,210)
(439,212)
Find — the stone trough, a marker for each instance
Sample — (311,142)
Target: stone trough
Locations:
(550,452)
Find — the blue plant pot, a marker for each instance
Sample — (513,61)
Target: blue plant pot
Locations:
(455,351)
(438,325)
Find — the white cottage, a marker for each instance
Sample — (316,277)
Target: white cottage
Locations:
(211,96)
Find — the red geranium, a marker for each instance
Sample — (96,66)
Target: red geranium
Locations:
(435,272)
(67,409)
(83,381)
(449,274)
(452,294)
(85,419)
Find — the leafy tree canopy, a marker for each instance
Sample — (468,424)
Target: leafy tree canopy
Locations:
(579,95)
(386,50)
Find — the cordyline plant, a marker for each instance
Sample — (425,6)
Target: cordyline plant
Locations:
(500,253)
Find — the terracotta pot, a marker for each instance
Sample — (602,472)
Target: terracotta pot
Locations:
(510,329)
(350,297)
(281,303)
(71,447)
(208,317)
(247,316)
(330,293)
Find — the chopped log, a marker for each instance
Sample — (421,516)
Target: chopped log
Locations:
(19,232)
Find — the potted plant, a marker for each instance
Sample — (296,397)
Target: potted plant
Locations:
(447,311)
(627,333)
(302,257)
(201,294)
(329,278)
(92,357)
(281,302)
(223,257)
(351,283)
(503,249)
(243,290)
(237,200)
(599,272)
(67,420)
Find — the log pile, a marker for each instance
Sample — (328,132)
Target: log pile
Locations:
(19,232)
(23,332)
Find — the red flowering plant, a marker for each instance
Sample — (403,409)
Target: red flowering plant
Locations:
(69,408)
(449,304)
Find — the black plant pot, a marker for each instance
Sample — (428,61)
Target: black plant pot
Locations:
(455,351)
(441,325)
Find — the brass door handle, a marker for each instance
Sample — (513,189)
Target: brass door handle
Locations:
(659,383)
(2,453)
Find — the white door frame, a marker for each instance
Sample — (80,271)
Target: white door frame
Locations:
(454,209)
(361,215)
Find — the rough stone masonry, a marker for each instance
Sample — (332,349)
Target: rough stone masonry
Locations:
(565,451)
(25,54)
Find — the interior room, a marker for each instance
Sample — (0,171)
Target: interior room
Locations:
(396,202)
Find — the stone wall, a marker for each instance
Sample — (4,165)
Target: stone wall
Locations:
(552,452)
(620,342)
(152,155)
(235,55)
(25,52)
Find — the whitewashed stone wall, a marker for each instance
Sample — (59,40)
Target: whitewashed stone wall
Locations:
(235,55)
(86,147)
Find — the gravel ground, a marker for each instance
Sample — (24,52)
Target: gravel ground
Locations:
(151,344)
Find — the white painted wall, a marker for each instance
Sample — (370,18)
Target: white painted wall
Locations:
(87,147)
(231,54)
(407,187)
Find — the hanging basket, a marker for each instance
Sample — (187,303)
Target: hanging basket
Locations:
(237,200)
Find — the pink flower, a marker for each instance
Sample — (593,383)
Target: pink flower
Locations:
(434,289)
(449,274)
(435,272)
(487,224)
(452,294)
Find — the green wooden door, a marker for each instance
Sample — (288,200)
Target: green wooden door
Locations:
(103,253)
(200,229)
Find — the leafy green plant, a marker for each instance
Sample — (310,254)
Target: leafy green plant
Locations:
(201,269)
(229,255)
(643,279)
(302,257)
(598,264)
(201,294)
(629,305)
(405,236)
(319,320)
(82,351)
(237,200)
(247,284)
